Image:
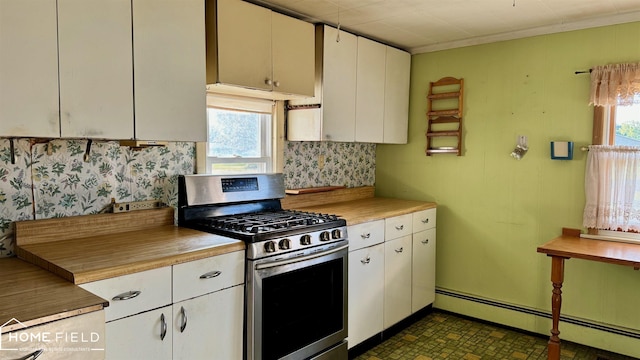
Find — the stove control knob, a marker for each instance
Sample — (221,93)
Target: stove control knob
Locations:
(325,236)
(336,234)
(270,246)
(284,244)
(305,240)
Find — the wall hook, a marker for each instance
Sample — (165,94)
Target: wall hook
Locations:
(87,151)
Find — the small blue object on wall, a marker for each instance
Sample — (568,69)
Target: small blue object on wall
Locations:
(562,150)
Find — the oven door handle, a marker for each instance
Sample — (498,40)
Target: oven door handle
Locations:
(300,259)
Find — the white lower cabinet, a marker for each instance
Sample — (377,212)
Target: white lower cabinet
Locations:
(366,270)
(397,280)
(192,310)
(391,271)
(143,336)
(209,326)
(423,280)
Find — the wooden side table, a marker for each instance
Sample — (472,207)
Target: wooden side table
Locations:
(568,246)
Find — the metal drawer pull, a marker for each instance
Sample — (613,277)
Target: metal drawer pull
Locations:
(425,221)
(400,227)
(184,319)
(365,236)
(399,250)
(33,356)
(365,261)
(425,241)
(163,327)
(210,274)
(127,295)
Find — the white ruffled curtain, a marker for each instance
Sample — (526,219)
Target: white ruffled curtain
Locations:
(611,183)
(617,84)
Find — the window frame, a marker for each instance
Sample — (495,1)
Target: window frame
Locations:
(249,104)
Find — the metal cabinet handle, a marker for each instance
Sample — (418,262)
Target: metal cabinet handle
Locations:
(425,241)
(210,274)
(425,221)
(400,227)
(365,236)
(365,261)
(183,312)
(127,295)
(33,356)
(276,83)
(163,327)
(399,250)
(268,82)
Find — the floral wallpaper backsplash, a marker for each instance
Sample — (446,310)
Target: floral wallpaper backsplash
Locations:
(55,180)
(349,164)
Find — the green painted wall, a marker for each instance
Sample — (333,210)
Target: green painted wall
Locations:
(493,210)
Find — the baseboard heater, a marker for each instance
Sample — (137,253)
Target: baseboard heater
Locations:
(545,314)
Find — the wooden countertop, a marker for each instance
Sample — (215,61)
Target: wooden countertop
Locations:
(34,296)
(83,257)
(370,209)
(611,252)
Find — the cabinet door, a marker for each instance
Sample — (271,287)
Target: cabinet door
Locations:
(244,44)
(396,96)
(423,282)
(366,293)
(96,70)
(397,280)
(339,85)
(293,48)
(169,63)
(370,91)
(141,336)
(209,326)
(28,69)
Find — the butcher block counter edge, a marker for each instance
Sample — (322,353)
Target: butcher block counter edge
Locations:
(150,241)
(34,296)
(101,257)
(370,209)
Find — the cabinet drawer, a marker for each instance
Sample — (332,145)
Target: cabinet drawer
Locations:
(397,226)
(423,220)
(133,293)
(365,234)
(204,276)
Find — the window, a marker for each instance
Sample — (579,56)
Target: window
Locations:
(624,125)
(240,136)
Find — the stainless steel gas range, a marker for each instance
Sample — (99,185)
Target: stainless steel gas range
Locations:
(296,268)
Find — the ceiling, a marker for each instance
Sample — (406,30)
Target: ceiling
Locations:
(430,25)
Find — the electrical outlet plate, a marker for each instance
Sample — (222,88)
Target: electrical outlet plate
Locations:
(136,205)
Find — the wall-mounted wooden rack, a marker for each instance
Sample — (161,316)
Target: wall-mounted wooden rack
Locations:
(444,116)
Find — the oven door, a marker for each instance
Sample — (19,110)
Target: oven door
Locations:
(297,306)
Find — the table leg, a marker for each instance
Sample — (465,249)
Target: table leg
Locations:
(557,277)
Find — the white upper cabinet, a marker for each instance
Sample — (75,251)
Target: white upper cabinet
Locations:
(362,92)
(370,91)
(396,96)
(28,69)
(243,34)
(96,71)
(251,47)
(334,119)
(169,63)
(293,51)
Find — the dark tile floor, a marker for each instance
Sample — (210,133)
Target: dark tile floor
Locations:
(442,335)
